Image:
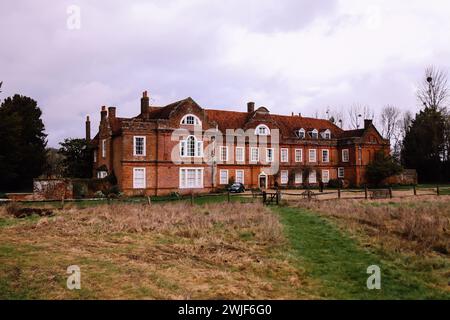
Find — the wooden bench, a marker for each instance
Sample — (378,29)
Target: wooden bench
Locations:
(380,194)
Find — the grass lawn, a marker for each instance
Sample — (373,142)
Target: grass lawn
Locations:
(339,262)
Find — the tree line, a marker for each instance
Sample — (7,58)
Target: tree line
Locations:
(420,141)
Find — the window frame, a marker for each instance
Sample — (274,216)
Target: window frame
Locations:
(310,175)
(251,154)
(328,175)
(286,153)
(297,174)
(339,175)
(221,181)
(272,159)
(301,155)
(328,155)
(197,121)
(184,184)
(243,154)
(144,146)
(315,134)
(221,153)
(257,133)
(243,176)
(184,148)
(284,174)
(315,155)
(347,152)
(144,179)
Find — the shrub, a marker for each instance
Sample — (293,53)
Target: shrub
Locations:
(382,167)
(99,194)
(80,190)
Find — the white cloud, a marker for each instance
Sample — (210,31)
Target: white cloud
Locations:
(299,56)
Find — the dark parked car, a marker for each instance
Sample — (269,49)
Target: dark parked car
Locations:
(237,188)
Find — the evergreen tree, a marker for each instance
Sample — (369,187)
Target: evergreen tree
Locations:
(77,161)
(424,145)
(22,143)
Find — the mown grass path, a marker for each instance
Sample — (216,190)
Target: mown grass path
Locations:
(339,264)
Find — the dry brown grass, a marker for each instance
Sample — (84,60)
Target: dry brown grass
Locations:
(170,251)
(418,224)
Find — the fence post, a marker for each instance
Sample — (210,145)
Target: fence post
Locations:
(192,199)
(339,192)
(149,200)
(390,192)
(438,191)
(264,195)
(228,196)
(62,202)
(365,191)
(415,190)
(278,197)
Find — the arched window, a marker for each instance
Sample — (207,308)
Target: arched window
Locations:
(191,147)
(262,130)
(190,119)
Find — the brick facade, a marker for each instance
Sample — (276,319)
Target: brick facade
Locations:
(155,171)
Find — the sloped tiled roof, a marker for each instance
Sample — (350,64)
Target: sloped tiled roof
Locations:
(288,125)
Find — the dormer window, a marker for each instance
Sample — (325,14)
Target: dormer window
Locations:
(326,134)
(190,119)
(315,134)
(301,133)
(262,130)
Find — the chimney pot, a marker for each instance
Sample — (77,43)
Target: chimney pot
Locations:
(250,107)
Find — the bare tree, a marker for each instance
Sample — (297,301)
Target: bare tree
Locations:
(433,92)
(357,113)
(1,83)
(390,122)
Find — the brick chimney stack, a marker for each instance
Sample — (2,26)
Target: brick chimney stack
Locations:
(88,129)
(103,113)
(367,123)
(112,112)
(250,107)
(145,103)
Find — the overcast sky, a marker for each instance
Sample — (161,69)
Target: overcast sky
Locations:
(288,55)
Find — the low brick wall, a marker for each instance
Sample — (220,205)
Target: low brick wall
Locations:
(52,189)
(407,177)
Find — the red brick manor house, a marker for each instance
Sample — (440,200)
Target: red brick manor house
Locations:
(183,147)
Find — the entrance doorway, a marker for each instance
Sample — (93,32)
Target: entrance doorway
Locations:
(262,181)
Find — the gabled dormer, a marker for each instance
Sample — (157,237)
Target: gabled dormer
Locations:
(300,133)
(326,134)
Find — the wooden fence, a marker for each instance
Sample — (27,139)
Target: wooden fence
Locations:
(267,197)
